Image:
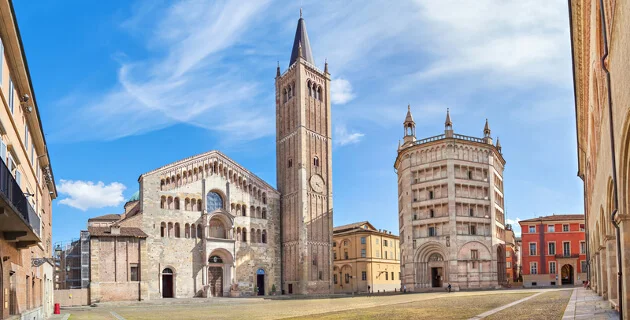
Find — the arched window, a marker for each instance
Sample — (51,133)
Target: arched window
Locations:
(163,202)
(290,92)
(213,201)
(170,229)
(238,234)
(199,205)
(167,271)
(258,236)
(176,203)
(252,212)
(187,204)
(199,231)
(316,161)
(253,236)
(310,90)
(215,259)
(286,96)
(319,94)
(187,231)
(264,213)
(471,212)
(162,229)
(193,231)
(217,230)
(177,235)
(169,203)
(264,198)
(162,183)
(290,164)
(264,236)
(244,235)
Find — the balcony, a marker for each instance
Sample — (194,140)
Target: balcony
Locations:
(565,255)
(18,220)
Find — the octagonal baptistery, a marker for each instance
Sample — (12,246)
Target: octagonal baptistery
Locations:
(451,218)
(213,229)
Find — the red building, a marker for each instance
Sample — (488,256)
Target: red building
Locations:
(553,250)
(511,254)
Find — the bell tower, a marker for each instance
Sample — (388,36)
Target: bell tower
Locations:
(304,170)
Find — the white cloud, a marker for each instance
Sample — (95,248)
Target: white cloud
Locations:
(507,41)
(181,80)
(341,91)
(85,195)
(343,137)
(515,226)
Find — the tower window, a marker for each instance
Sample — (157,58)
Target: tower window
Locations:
(470,175)
(310,90)
(430,194)
(316,161)
(471,212)
(319,94)
(431,213)
(290,164)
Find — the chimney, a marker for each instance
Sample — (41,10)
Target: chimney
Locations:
(114,229)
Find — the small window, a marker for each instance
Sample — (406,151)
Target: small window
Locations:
(534,283)
(133,272)
(316,161)
(473,230)
(581,227)
(552,248)
(552,267)
(430,194)
(431,213)
(532,249)
(386,276)
(290,164)
(362,240)
(582,247)
(471,212)
(385,243)
(470,175)
(565,228)
(553,283)
(321,275)
(432,232)
(347,278)
(334,244)
(11,95)
(335,278)
(363,255)
(335,255)
(551,228)
(532,229)
(533,269)
(385,254)
(363,275)
(474,254)
(392,275)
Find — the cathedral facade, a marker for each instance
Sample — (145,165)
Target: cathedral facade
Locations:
(206,226)
(451,218)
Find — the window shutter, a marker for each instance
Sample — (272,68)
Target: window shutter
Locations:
(3,151)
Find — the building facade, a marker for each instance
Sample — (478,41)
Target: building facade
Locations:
(450,194)
(304,167)
(600,64)
(512,251)
(365,257)
(27,186)
(554,250)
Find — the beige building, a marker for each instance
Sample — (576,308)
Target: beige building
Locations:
(27,186)
(365,257)
(304,164)
(600,48)
(450,200)
(206,226)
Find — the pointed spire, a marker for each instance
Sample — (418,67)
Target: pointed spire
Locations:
(409,117)
(301,40)
(486,130)
(326,66)
(498,144)
(278,70)
(398,144)
(448,122)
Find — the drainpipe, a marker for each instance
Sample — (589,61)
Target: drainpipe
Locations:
(614,162)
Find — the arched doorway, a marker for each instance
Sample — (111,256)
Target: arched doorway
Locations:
(436,263)
(567,274)
(167,283)
(501,268)
(260,281)
(215,276)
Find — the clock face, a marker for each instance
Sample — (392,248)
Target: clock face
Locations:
(317,183)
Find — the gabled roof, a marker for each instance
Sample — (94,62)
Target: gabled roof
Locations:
(301,39)
(124,232)
(556,217)
(107,217)
(356,225)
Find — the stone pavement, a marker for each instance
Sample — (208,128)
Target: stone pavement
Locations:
(587,304)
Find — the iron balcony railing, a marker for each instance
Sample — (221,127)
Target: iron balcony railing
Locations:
(14,195)
(567,255)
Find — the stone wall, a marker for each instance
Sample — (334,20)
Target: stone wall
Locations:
(72,297)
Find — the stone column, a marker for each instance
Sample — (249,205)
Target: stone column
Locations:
(624,225)
(604,267)
(611,255)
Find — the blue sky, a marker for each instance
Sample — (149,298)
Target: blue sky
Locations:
(127,86)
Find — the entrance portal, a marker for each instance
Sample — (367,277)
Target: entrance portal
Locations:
(260,281)
(567,274)
(167,283)
(215,281)
(436,277)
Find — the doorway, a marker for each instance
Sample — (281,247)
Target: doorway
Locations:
(260,281)
(436,277)
(215,280)
(290,288)
(167,283)
(567,274)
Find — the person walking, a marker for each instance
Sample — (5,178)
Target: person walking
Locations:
(449,288)
(369,293)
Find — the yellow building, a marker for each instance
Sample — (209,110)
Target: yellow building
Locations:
(27,186)
(364,256)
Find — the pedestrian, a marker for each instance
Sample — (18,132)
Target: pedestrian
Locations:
(369,293)
(405,288)
(449,287)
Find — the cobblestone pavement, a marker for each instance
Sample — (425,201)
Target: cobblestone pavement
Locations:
(587,304)
(244,308)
